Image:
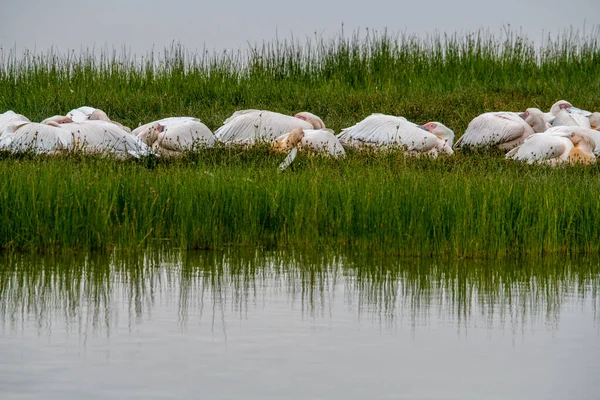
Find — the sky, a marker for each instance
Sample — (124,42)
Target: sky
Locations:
(141,25)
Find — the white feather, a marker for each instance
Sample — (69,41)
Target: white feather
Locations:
(105,137)
(546,147)
(503,129)
(251,126)
(24,136)
(179,134)
(387,130)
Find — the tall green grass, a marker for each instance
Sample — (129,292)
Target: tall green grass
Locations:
(466,206)
(462,206)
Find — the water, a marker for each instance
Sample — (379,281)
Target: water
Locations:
(296,326)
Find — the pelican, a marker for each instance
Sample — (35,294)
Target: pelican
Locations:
(23,135)
(171,136)
(251,126)
(390,131)
(94,136)
(555,148)
(504,130)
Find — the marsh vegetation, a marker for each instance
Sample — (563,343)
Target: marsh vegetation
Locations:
(474,205)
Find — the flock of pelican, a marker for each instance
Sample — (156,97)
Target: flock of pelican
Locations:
(565,134)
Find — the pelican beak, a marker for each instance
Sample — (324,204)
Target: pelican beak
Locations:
(423,127)
(160,128)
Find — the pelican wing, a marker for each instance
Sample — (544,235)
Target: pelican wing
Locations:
(39,138)
(239,113)
(493,129)
(323,141)
(375,129)
(166,122)
(542,147)
(581,120)
(578,111)
(563,118)
(185,135)
(251,126)
(105,137)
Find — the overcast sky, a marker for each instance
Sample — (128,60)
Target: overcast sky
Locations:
(221,24)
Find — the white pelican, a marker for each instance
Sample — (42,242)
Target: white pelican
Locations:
(390,131)
(23,135)
(103,137)
(318,140)
(504,130)
(555,148)
(251,126)
(171,136)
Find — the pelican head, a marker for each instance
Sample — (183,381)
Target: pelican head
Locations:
(595,120)
(288,141)
(535,118)
(583,141)
(150,134)
(99,115)
(440,130)
(583,152)
(559,105)
(295,137)
(315,121)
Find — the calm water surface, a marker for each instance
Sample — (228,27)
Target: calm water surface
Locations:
(297,326)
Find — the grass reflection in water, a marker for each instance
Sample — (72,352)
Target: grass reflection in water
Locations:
(89,292)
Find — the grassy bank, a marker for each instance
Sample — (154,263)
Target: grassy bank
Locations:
(467,205)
